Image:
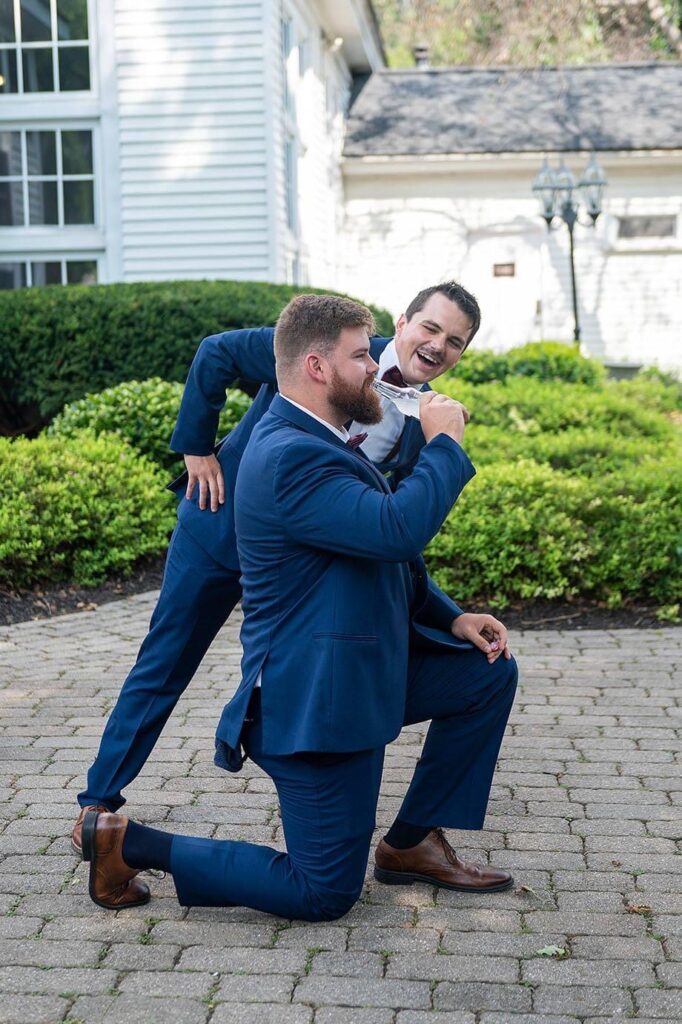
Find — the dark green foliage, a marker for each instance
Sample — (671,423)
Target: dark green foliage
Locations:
(578,490)
(585,452)
(58,344)
(144,414)
(78,509)
(514,533)
(548,360)
(524,530)
(535,407)
(633,522)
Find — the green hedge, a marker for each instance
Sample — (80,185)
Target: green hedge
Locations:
(143,413)
(548,360)
(585,452)
(536,407)
(58,344)
(78,509)
(653,390)
(524,530)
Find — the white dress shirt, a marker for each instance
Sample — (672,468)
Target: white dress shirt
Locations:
(382,437)
(340,432)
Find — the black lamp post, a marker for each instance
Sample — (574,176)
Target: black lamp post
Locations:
(556,190)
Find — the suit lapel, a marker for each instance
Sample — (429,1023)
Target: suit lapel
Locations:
(285,410)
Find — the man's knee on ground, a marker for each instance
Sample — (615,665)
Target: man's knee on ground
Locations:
(331,908)
(330,904)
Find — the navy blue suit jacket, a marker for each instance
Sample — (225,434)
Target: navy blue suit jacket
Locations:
(221,360)
(335,591)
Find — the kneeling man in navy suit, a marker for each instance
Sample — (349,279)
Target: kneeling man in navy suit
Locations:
(346,639)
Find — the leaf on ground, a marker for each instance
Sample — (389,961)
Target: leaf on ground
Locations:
(522,890)
(638,908)
(556,951)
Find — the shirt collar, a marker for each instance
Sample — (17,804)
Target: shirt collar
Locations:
(341,433)
(388,359)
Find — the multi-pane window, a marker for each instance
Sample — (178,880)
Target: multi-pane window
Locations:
(289,125)
(291,183)
(44,46)
(287,42)
(46,177)
(647,226)
(27,273)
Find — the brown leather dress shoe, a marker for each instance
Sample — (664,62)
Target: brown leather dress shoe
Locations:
(76,841)
(434,861)
(112,884)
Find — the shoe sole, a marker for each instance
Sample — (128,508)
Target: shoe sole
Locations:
(405,878)
(89,852)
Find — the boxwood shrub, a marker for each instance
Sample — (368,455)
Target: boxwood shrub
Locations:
(515,532)
(536,407)
(547,360)
(633,522)
(143,413)
(79,509)
(586,452)
(58,344)
(524,530)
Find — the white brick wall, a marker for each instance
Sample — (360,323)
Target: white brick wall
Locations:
(405,230)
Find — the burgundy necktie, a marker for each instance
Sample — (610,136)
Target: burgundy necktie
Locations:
(394,376)
(356,440)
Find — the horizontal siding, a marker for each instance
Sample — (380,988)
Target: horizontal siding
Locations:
(191,111)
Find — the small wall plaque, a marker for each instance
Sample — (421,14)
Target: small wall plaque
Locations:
(504,269)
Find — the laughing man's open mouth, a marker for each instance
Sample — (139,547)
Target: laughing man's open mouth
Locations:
(429,359)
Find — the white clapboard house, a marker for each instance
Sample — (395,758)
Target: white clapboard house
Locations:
(266,140)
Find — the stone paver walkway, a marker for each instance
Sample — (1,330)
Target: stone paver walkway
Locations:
(586,808)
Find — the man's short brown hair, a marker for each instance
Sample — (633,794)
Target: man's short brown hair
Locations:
(315,322)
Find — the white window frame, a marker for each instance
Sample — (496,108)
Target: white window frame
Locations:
(289,70)
(96,111)
(59,177)
(27,258)
(642,243)
(54,44)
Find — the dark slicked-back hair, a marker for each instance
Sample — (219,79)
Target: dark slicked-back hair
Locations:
(314,323)
(455,293)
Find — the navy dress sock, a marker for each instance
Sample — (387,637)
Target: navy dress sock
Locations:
(147,847)
(402,835)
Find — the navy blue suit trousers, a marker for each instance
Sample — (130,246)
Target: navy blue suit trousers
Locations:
(197,596)
(328,801)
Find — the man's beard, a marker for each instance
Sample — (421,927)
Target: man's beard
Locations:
(362,404)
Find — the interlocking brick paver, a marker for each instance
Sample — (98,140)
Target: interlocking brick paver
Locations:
(31,1009)
(265,1013)
(129,1010)
(321,990)
(434,1017)
(582,1000)
(450,967)
(476,995)
(585,808)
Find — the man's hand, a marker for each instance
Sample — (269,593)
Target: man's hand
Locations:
(205,470)
(442,415)
(485,632)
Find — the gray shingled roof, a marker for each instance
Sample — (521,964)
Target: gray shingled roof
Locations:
(501,110)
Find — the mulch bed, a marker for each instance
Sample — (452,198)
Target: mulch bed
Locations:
(60,600)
